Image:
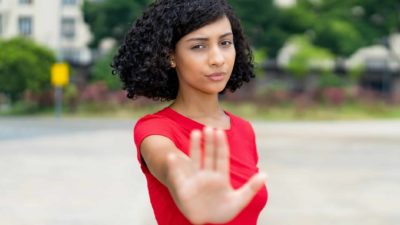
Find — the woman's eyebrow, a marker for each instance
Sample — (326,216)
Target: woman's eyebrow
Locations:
(206,38)
(226,34)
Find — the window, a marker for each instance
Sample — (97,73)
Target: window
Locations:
(25,25)
(68,2)
(70,55)
(25,2)
(68,28)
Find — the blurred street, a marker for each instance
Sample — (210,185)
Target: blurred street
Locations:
(84,171)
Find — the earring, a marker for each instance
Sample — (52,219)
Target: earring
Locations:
(173,64)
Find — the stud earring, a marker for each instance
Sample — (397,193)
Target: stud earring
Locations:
(173,64)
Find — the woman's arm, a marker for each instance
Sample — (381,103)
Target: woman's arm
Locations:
(199,186)
(155,150)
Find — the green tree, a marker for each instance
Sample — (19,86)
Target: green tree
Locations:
(111,18)
(262,23)
(308,57)
(24,65)
(101,70)
(343,26)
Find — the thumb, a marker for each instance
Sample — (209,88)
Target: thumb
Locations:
(250,189)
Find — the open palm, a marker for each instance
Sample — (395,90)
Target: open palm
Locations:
(203,191)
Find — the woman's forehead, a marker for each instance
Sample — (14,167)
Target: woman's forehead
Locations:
(218,28)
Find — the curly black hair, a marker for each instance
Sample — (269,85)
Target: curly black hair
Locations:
(143,59)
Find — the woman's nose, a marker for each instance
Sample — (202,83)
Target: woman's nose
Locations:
(216,57)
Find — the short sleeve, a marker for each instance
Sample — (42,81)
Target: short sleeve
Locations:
(150,125)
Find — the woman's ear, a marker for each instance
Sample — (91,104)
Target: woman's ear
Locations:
(172,61)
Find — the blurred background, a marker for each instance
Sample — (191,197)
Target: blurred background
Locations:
(325,105)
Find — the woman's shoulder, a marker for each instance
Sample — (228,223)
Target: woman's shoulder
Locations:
(151,118)
(240,125)
(237,120)
(154,120)
(153,124)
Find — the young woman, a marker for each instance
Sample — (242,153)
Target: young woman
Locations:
(200,161)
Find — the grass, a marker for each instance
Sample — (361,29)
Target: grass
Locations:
(320,112)
(350,111)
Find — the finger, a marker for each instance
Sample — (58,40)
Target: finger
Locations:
(208,148)
(175,174)
(222,161)
(249,189)
(195,148)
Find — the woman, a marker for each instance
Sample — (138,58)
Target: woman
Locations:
(200,161)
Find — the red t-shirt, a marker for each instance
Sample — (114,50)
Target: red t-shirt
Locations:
(176,127)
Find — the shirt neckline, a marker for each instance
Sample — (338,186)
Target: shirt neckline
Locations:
(190,123)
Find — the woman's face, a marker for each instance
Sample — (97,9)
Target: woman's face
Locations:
(204,58)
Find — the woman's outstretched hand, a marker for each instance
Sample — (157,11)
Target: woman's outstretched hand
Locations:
(202,188)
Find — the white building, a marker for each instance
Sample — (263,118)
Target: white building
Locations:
(378,56)
(57,24)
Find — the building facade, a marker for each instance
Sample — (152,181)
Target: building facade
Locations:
(57,24)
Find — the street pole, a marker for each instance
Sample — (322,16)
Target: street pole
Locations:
(58,92)
(59,79)
(58,96)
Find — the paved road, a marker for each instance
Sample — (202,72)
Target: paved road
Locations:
(74,172)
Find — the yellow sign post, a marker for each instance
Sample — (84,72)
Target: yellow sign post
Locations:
(59,78)
(59,74)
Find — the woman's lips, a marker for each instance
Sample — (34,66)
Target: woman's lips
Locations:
(216,76)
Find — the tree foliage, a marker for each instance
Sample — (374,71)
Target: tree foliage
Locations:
(308,57)
(111,18)
(262,22)
(101,71)
(24,65)
(342,26)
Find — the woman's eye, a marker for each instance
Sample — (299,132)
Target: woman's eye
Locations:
(198,47)
(226,43)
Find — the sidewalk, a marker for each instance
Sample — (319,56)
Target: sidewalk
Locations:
(85,172)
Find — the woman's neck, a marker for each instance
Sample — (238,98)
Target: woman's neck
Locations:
(198,106)
(203,108)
